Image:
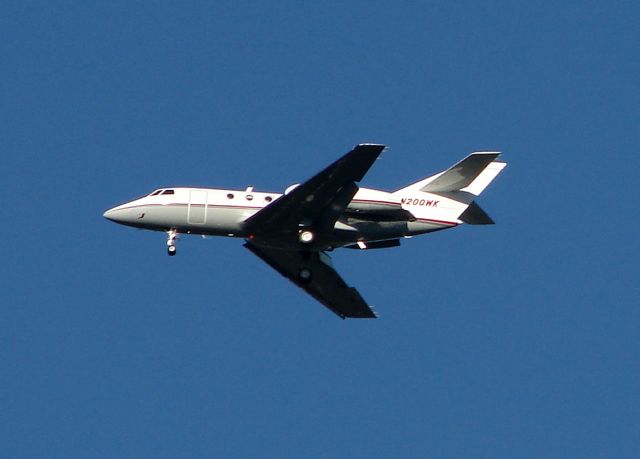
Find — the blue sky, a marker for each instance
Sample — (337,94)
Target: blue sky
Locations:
(514,340)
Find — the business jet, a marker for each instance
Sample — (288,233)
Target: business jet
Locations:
(293,231)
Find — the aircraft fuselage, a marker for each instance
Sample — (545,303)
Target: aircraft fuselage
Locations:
(292,232)
(372,215)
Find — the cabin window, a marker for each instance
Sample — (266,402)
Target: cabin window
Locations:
(168,192)
(230,196)
(268,198)
(249,197)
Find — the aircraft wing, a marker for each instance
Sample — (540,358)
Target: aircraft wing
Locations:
(325,285)
(319,201)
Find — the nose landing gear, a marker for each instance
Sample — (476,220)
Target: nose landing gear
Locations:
(171,242)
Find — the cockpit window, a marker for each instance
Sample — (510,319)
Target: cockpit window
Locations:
(155,193)
(168,192)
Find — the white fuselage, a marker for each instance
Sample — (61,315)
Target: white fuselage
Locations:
(292,232)
(372,215)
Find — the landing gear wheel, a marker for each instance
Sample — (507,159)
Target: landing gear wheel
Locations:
(305,275)
(306,236)
(171,242)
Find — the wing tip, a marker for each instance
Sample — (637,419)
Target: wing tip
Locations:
(373,147)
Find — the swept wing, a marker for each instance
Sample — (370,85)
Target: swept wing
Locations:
(316,205)
(324,283)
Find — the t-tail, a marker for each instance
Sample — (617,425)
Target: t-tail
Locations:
(450,195)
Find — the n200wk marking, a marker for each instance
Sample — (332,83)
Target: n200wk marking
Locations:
(420,202)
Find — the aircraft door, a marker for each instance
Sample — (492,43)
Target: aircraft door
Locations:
(197,209)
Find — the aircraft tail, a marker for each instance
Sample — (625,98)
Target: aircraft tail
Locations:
(459,186)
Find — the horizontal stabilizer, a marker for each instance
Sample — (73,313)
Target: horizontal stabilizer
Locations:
(462,174)
(474,215)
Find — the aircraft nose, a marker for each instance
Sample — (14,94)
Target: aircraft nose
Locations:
(110,214)
(118,215)
(125,214)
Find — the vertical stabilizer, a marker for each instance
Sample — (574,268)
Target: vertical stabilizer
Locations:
(462,175)
(485,178)
(457,188)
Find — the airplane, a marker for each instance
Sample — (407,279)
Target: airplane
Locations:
(293,231)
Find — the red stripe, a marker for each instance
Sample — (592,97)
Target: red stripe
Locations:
(399,204)
(373,201)
(176,204)
(429,220)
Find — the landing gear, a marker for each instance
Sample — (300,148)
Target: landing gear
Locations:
(171,242)
(306,236)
